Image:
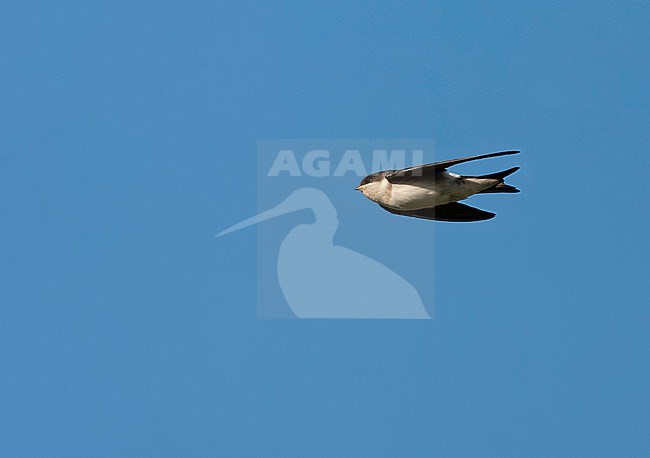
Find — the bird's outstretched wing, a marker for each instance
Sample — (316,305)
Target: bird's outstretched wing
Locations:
(437,167)
(452,212)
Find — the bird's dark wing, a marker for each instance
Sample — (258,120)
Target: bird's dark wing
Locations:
(437,167)
(453,212)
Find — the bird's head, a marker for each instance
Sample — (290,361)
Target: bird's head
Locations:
(371,185)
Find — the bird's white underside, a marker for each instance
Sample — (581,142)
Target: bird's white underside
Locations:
(447,188)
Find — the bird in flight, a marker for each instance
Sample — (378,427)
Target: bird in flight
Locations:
(429,191)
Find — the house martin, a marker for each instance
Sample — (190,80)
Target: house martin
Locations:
(429,191)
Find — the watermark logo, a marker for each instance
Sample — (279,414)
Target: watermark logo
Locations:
(306,269)
(318,162)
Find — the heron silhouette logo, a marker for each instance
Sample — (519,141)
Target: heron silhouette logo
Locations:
(323,280)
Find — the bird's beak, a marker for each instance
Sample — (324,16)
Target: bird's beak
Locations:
(358,188)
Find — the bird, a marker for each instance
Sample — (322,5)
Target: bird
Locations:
(320,279)
(430,191)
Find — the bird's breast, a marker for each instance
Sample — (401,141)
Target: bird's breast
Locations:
(407,197)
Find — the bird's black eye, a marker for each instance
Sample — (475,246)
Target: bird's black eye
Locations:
(370,179)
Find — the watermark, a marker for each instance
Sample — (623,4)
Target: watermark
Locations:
(323,249)
(318,162)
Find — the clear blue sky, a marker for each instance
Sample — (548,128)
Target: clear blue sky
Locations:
(127,140)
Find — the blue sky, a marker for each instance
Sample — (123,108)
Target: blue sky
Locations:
(128,139)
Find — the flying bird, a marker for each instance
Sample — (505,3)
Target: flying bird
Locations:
(429,191)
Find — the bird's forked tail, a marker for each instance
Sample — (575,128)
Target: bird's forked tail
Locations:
(500,186)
